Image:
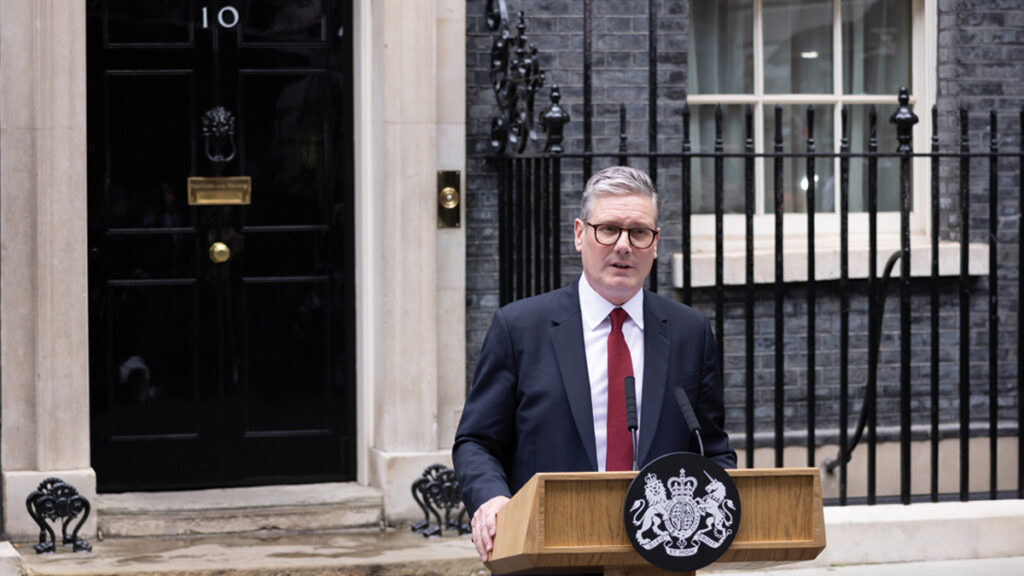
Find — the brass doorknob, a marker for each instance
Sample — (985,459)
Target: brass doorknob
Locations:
(219,252)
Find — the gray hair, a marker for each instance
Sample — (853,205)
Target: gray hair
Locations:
(619,180)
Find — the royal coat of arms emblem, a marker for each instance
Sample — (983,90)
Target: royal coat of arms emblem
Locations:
(686,514)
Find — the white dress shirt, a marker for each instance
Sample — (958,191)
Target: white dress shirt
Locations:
(597,325)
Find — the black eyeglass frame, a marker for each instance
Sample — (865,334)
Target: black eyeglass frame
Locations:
(629,234)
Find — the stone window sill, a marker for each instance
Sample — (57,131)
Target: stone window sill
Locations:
(827,261)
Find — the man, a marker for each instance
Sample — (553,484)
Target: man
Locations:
(548,396)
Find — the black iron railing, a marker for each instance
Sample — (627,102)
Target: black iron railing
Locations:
(530,253)
(915,404)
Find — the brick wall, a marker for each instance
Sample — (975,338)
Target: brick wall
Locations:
(981,69)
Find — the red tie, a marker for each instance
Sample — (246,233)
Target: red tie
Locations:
(620,365)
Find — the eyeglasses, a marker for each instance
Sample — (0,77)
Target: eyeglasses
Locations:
(609,234)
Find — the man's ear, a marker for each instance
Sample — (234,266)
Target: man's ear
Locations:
(579,229)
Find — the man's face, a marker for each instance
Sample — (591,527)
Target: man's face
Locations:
(616,272)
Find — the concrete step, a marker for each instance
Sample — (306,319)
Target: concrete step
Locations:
(10,559)
(299,508)
(348,553)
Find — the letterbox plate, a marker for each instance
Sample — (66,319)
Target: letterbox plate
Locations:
(230,190)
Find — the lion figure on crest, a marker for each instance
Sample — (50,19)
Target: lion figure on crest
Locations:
(656,504)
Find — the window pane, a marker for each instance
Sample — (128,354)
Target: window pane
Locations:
(797,46)
(876,46)
(702,134)
(795,181)
(721,55)
(888,168)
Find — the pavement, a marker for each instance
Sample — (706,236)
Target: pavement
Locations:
(354,553)
(394,552)
(973,567)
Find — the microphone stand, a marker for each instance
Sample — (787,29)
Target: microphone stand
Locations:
(631,421)
(691,419)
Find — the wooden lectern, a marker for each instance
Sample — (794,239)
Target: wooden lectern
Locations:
(573,522)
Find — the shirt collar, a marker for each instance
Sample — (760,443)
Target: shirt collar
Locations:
(595,308)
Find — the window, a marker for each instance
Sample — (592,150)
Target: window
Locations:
(832,55)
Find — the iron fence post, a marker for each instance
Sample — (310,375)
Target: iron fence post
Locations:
(965,314)
(904,118)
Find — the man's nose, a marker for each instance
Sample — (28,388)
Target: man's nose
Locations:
(622,244)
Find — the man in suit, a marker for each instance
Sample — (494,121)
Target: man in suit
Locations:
(547,395)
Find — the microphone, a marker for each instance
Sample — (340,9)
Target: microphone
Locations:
(691,419)
(631,424)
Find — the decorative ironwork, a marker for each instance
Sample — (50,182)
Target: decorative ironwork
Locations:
(218,125)
(552,120)
(438,489)
(497,14)
(55,499)
(904,119)
(516,77)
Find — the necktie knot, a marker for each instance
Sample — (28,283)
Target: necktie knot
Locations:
(618,316)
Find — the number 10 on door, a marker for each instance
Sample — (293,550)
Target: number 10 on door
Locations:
(227,17)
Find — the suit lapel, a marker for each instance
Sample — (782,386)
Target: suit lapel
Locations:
(656,346)
(567,338)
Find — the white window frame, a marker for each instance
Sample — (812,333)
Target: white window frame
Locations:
(924,43)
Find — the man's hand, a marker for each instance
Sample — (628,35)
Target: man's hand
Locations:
(485,525)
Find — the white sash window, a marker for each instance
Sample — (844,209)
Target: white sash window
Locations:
(834,55)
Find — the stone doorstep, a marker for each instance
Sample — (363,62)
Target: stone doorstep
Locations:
(10,560)
(297,508)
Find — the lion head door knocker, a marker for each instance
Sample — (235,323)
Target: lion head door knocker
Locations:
(219,137)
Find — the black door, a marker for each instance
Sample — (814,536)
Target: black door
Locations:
(240,370)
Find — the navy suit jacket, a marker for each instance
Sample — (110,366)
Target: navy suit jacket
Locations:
(529,408)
